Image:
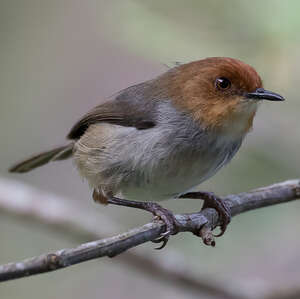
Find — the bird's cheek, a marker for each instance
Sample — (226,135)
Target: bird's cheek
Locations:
(247,105)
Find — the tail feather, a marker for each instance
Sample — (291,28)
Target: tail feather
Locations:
(60,153)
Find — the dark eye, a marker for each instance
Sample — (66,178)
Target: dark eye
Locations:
(222,83)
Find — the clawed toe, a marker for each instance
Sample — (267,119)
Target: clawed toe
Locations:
(168,218)
(159,213)
(163,238)
(212,201)
(225,221)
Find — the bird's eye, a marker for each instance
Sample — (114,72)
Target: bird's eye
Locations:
(222,83)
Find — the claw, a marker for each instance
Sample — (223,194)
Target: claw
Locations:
(221,233)
(212,201)
(163,238)
(160,213)
(168,218)
(165,234)
(164,243)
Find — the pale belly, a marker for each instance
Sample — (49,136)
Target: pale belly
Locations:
(180,177)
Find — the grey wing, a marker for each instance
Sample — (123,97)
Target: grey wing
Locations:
(130,108)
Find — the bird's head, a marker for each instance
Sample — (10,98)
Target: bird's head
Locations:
(221,94)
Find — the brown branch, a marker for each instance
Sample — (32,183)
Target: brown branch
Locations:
(208,218)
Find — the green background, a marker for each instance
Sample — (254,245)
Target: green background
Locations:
(58,59)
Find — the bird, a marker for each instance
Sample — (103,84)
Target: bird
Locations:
(162,138)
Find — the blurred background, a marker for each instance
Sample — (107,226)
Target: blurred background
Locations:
(60,58)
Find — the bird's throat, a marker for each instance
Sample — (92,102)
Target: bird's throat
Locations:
(234,120)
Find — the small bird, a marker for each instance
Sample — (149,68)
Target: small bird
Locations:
(161,138)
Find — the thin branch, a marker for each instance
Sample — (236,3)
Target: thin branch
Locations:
(194,222)
(70,219)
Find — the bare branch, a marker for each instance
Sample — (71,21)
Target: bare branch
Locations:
(194,222)
(70,219)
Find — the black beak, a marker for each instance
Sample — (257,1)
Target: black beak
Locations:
(262,94)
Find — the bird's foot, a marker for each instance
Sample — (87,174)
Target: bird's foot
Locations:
(214,202)
(159,213)
(168,218)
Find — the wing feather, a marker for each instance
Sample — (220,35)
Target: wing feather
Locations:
(121,111)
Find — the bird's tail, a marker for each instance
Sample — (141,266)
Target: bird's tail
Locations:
(60,153)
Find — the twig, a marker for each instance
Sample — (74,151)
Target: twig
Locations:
(278,193)
(65,216)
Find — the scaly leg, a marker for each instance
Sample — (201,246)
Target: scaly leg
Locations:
(158,211)
(212,201)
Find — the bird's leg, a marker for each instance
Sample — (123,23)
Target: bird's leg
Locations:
(212,201)
(158,211)
(99,197)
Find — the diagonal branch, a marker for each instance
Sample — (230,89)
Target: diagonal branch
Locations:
(201,223)
(68,218)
